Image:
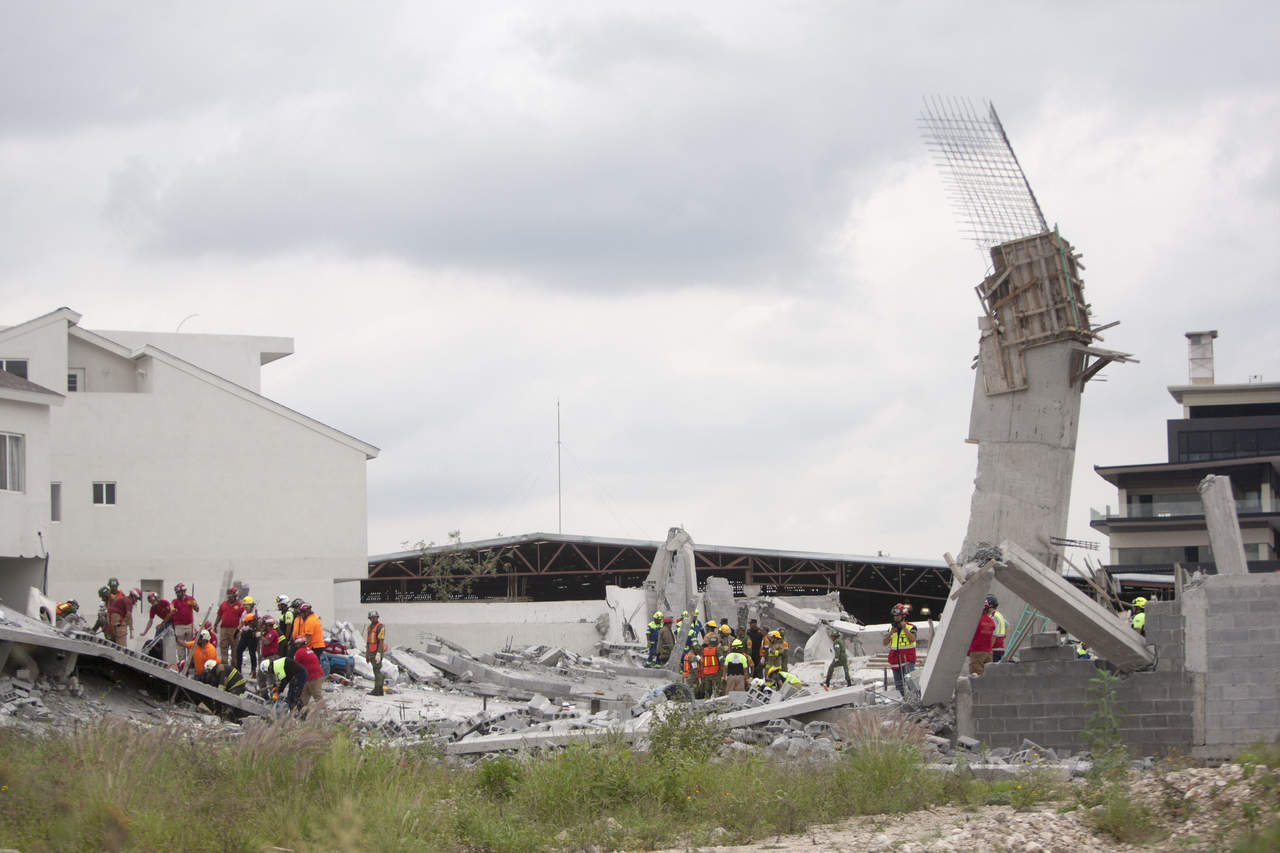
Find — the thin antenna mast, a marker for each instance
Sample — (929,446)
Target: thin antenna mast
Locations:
(559,489)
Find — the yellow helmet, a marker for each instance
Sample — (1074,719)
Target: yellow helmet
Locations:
(771,670)
(711,623)
(725,629)
(776,635)
(248,599)
(1140,602)
(657,614)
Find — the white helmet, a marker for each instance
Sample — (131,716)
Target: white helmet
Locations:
(283,600)
(264,667)
(210,665)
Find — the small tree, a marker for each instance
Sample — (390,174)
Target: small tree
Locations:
(449,571)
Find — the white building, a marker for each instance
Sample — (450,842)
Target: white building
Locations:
(154,459)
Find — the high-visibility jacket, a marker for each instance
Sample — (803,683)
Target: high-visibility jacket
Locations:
(201,652)
(309,627)
(375,637)
(736,663)
(902,645)
(710,661)
(790,678)
(1139,621)
(233,681)
(997,641)
(691,659)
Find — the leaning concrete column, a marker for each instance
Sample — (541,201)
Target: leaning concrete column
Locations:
(950,644)
(1224,526)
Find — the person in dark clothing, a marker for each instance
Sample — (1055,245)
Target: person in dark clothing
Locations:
(289,676)
(232,681)
(756,638)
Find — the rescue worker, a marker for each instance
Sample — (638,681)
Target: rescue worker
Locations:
(285,624)
(778,677)
(709,631)
(997,639)
(311,691)
(691,666)
(666,641)
(901,640)
(375,646)
(726,637)
(651,632)
(1139,619)
(289,677)
(232,681)
(306,624)
(270,645)
(740,633)
(250,631)
(785,655)
(104,595)
(120,616)
(756,636)
(184,615)
(736,667)
(113,586)
(67,608)
(208,673)
(711,683)
(839,657)
(690,628)
(983,636)
(230,612)
(160,609)
(1083,652)
(202,652)
(773,653)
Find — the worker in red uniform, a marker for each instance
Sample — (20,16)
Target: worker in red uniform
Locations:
(120,616)
(270,647)
(160,609)
(315,672)
(901,640)
(980,646)
(230,612)
(184,614)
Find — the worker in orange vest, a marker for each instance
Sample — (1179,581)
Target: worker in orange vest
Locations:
(375,647)
(711,683)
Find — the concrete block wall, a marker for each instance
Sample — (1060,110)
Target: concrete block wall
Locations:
(1044,697)
(1242,661)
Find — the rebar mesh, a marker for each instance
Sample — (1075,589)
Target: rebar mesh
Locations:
(983,178)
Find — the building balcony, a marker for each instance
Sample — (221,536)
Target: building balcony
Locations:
(1169,509)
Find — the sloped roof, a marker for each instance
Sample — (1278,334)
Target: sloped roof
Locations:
(16,388)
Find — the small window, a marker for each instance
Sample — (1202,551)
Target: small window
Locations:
(55,502)
(75,379)
(12,463)
(104,494)
(16,366)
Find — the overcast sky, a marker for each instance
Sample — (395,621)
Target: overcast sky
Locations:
(711,231)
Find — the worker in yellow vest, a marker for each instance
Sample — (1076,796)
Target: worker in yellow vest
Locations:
(1139,619)
(375,647)
(997,639)
(901,641)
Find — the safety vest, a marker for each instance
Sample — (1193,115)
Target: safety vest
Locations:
(1139,620)
(278,666)
(710,662)
(376,638)
(790,679)
(691,659)
(903,638)
(737,659)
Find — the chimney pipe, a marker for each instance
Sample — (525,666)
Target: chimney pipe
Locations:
(1200,357)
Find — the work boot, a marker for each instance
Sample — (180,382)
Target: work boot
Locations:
(376,693)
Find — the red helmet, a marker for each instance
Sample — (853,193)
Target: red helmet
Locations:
(135,594)
(179,588)
(304,607)
(231,590)
(151,596)
(902,609)
(269,621)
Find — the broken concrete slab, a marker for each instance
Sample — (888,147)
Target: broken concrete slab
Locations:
(1224,525)
(795,707)
(954,633)
(537,740)
(419,670)
(1105,631)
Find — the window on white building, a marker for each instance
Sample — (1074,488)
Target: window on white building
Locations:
(16,366)
(12,464)
(75,379)
(104,494)
(55,502)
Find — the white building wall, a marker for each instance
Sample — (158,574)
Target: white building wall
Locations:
(207,482)
(45,349)
(105,372)
(238,358)
(25,514)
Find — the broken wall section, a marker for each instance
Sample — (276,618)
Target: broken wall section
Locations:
(1215,688)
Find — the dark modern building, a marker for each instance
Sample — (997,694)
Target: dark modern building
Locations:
(1158,520)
